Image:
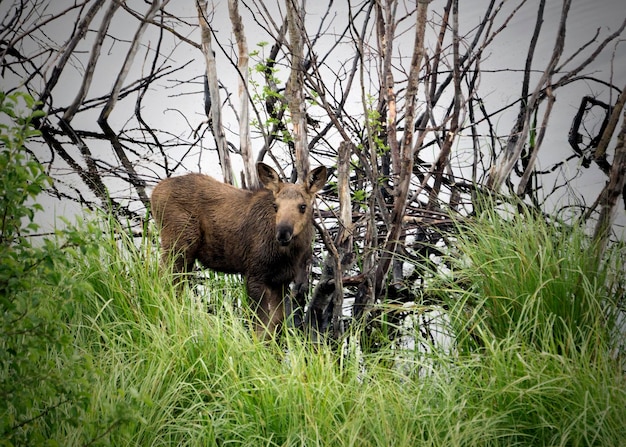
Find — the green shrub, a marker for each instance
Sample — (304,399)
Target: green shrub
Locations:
(44,378)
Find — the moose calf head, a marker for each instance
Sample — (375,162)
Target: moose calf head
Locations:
(292,202)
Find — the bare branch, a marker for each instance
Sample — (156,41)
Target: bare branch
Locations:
(614,188)
(213,83)
(245,144)
(91,65)
(295,87)
(401,191)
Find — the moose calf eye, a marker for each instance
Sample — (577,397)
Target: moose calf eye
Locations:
(302,209)
(275,207)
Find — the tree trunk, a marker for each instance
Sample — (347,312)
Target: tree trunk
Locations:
(214,93)
(245,144)
(295,87)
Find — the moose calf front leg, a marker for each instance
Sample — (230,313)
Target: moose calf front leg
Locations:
(297,298)
(267,303)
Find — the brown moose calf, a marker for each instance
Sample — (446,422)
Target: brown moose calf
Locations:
(265,235)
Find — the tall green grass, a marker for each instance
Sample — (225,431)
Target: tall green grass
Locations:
(526,368)
(541,314)
(539,284)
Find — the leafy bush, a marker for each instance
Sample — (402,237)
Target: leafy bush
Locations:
(44,378)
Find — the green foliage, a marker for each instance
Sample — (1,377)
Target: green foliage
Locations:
(266,93)
(194,377)
(44,377)
(23,178)
(538,312)
(32,386)
(360,196)
(377,128)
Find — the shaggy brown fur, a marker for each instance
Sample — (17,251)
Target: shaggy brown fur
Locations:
(265,235)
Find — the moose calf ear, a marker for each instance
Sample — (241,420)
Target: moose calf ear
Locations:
(317,179)
(268,177)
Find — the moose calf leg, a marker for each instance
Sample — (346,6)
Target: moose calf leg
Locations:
(179,244)
(297,297)
(268,306)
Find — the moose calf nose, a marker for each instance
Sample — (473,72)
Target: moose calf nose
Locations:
(284,233)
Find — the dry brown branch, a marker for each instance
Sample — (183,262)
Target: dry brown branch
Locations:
(138,182)
(67,53)
(245,144)
(406,166)
(295,87)
(614,188)
(612,124)
(91,65)
(211,73)
(501,172)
